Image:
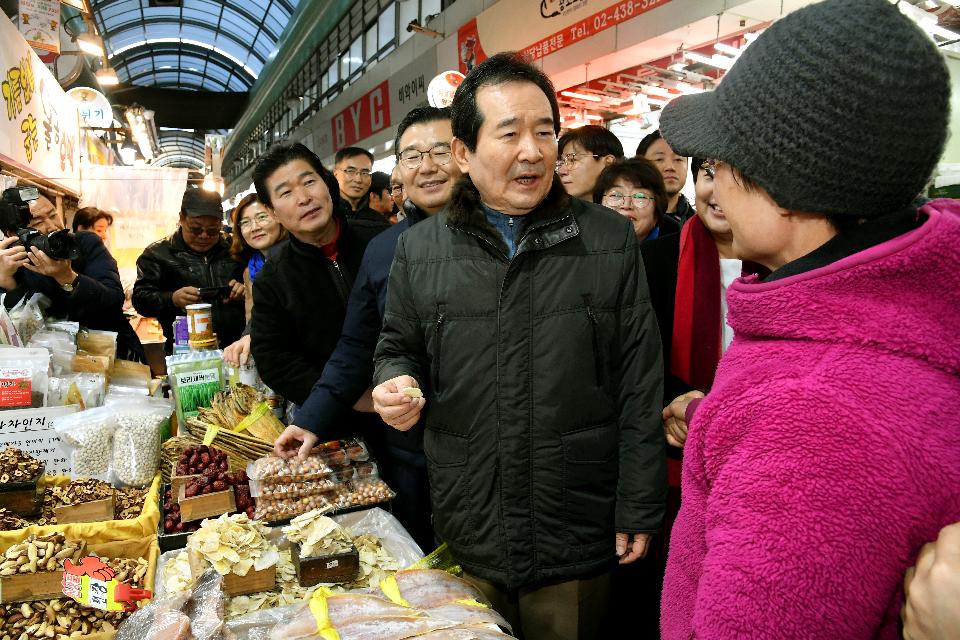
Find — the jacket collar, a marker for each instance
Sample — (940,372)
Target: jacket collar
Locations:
(177,243)
(413,213)
(312,250)
(465,212)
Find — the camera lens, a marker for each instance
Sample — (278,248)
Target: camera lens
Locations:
(61,245)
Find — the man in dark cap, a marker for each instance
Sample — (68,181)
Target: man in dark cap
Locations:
(172,271)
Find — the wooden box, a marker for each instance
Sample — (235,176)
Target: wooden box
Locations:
(253,582)
(337,567)
(22,498)
(206,505)
(178,483)
(24,587)
(93,511)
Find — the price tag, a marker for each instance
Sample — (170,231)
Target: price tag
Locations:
(85,583)
(211,433)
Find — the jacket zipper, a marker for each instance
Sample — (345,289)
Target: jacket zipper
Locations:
(597,353)
(341,282)
(436,367)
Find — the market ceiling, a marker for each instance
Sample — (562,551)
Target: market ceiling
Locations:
(190,61)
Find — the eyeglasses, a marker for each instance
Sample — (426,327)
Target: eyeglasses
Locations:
(395,189)
(574,158)
(261,219)
(353,172)
(616,200)
(411,158)
(211,232)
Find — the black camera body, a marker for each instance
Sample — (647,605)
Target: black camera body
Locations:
(15,216)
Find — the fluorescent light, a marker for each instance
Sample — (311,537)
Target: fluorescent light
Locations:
(90,44)
(651,90)
(581,96)
(107,77)
(209,184)
(721,62)
(932,4)
(725,48)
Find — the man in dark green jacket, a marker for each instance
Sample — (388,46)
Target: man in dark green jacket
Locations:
(523,316)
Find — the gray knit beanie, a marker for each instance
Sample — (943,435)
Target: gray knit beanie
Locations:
(840,107)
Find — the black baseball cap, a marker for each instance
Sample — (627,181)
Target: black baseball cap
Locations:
(200,202)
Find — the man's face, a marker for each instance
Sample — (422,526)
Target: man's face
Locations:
(381,203)
(201,233)
(300,199)
(429,184)
(397,191)
(100,228)
(44,216)
(353,174)
(513,164)
(672,167)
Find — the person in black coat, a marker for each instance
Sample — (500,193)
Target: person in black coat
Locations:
(301,293)
(171,272)
(428,173)
(353,168)
(86,290)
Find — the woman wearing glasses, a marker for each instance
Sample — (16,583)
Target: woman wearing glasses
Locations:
(634,189)
(256,230)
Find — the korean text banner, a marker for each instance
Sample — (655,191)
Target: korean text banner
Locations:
(39,124)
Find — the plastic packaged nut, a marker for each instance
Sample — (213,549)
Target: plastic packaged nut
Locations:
(274,470)
(275,509)
(356,450)
(89,438)
(136,442)
(364,492)
(296,489)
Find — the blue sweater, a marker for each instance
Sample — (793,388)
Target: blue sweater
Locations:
(349,371)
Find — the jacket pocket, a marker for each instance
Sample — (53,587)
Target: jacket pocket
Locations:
(451,494)
(438,351)
(598,363)
(590,473)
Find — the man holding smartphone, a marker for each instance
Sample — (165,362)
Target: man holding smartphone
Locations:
(193,265)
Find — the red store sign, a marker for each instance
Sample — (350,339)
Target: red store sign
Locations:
(600,21)
(366,116)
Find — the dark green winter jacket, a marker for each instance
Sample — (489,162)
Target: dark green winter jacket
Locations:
(543,383)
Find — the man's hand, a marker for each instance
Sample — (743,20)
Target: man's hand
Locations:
(631,547)
(60,270)
(186,295)
(12,257)
(397,409)
(675,420)
(295,441)
(932,590)
(237,291)
(238,353)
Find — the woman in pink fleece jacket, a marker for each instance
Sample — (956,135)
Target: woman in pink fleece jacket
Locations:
(828,450)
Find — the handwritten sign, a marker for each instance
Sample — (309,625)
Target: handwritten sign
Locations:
(39,125)
(31,431)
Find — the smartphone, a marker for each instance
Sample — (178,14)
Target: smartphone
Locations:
(215,293)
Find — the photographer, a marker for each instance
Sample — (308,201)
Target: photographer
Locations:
(86,289)
(193,265)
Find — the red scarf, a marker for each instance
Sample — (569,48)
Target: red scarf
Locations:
(697,322)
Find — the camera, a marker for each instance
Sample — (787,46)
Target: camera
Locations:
(15,216)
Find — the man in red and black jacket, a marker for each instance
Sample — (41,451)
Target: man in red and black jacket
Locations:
(301,293)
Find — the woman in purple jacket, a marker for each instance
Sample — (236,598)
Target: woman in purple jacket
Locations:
(826,453)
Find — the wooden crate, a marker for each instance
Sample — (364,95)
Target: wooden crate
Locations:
(178,482)
(24,587)
(93,511)
(253,582)
(337,567)
(22,501)
(206,505)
